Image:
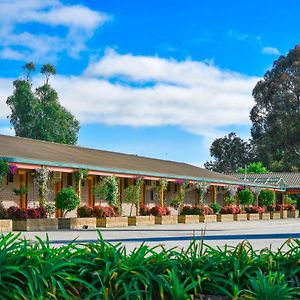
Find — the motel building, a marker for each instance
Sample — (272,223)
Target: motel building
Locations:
(28,155)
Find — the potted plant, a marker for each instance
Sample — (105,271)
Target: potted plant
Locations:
(189,214)
(206,214)
(266,198)
(132,195)
(144,217)
(67,200)
(225,213)
(253,212)
(162,215)
(31,219)
(246,197)
(292,212)
(109,216)
(5,222)
(239,214)
(281,208)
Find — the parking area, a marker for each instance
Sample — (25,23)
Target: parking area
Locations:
(261,234)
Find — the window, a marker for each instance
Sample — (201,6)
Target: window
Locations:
(175,187)
(169,187)
(69,179)
(152,195)
(10,178)
(126,183)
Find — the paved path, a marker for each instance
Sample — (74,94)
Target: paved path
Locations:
(261,234)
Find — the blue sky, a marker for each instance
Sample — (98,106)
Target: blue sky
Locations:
(155,78)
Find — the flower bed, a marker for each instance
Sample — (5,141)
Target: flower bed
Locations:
(76,223)
(96,269)
(101,216)
(224,217)
(188,219)
(293,213)
(253,212)
(141,220)
(35,225)
(30,219)
(166,220)
(5,225)
(195,214)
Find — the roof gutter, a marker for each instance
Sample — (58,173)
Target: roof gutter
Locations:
(131,172)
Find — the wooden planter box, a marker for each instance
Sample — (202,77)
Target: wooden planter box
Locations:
(141,220)
(188,219)
(253,216)
(293,214)
(283,214)
(109,222)
(274,215)
(208,218)
(5,225)
(240,217)
(265,216)
(35,225)
(77,223)
(224,217)
(166,220)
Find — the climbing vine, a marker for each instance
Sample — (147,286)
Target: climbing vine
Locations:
(112,186)
(80,176)
(162,186)
(133,194)
(41,178)
(201,188)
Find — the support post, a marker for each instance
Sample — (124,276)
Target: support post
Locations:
(22,183)
(161,198)
(90,183)
(213,194)
(58,186)
(197,197)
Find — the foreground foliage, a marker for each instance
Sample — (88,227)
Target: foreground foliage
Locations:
(104,271)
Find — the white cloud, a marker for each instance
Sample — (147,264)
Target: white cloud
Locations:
(6,130)
(154,91)
(192,95)
(270,50)
(79,21)
(5,91)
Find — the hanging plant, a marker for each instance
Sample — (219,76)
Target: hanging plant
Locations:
(13,169)
(21,191)
(80,176)
(201,187)
(255,190)
(231,190)
(182,193)
(132,194)
(4,169)
(41,178)
(162,186)
(112,186)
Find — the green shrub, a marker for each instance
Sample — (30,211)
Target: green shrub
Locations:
(66,200)
(101,270)
(266,197)
(229,201)
(246,197)
(216,207)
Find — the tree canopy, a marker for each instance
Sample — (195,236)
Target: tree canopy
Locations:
(254,168)
(38,114)
(276,114)
(229,153)
(275,123)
